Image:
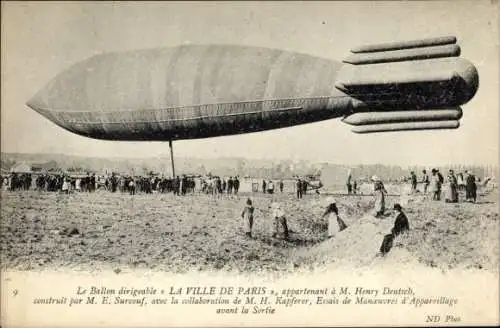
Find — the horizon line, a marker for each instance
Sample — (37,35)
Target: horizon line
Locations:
(246,158)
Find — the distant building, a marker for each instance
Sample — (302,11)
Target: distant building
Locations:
(21,168)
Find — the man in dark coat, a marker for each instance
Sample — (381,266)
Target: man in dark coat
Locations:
(299,188)
(236,185)
(401,223)
(230,185)
(413,182)
(470,187)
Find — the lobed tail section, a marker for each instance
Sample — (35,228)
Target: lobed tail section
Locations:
(413,85)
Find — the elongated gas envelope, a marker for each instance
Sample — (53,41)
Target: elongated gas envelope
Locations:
(201,91)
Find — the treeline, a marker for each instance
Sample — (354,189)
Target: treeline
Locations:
(275,169)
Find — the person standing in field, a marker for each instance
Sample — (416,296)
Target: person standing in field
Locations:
(281,186)
(270,187)
(425,180)
(335,223)
(65,186)
(435,186)
(247,216)
(236,185)
(230,186)
(225,185)
(413,177)
(470,187)
(380,194)
(278,217)
(349,184)
(441,181)
(452,193)
(298,186)
(460,181)
(131,186)
(304,187)
(264,186)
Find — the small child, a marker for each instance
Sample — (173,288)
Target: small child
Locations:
(247,216)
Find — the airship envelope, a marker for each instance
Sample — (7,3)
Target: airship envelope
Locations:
(201,91)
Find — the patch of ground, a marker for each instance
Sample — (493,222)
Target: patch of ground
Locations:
(41,231)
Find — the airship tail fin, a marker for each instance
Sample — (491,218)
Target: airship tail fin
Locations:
(407,126)
(410,85)
(404,120)
(421,43)
(442,51)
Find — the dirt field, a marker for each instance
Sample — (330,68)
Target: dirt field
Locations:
(197,232)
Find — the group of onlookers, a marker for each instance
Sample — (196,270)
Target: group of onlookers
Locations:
(16,181)
(279,224)
(268,187)
(217,186)
(455,183)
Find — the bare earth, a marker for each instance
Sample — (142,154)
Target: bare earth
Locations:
(199,233)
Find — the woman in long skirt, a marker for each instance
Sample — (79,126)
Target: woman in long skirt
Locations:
(452,193)
(335,223)
(247,216)
(380,194)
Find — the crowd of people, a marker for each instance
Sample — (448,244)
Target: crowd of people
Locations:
(455,183)
(21,181)
(433,184)
(217,186)
(68,183)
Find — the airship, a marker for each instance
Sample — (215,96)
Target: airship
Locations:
(203,91)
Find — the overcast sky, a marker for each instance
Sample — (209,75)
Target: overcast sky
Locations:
(40,39)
